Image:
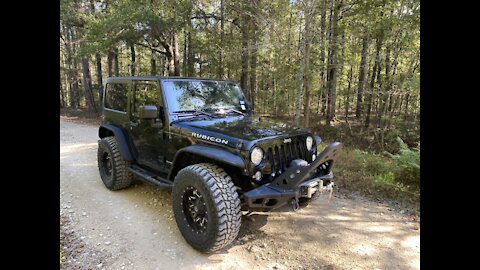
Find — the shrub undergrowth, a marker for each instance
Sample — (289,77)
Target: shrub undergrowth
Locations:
(392,176)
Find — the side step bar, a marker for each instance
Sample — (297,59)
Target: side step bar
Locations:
(149,177)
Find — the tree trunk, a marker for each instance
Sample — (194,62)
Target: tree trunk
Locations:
(407,100)
(185,55)
(390,85)
(153,64)
(110,58)
(75,95)
(245,57)
(298,102)
(376,67)
(306,85)
(63,62)
(176,55)
(322,98)
(328,61)
(170,51)
(162,65)
(400,106)
(341,65)
(200,70)
(333,62)
(171,63)
(264,84)
(378,88)
(253,64)
(87,84)
(70,72)
(62,98)
(274,95)
(361,77)
(253,74)
(303,75)
(393,103)
(391,100)
(172,55)
(222,37)
(117,65)
(98,61)
(64,68)
(289,60)
(347,101)
(383,95)
(228,65)
(309,16)
(98,66)
(132,54)
(191,57)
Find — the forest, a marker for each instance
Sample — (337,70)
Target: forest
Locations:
(347,69)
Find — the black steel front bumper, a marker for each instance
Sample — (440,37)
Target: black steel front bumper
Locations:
(295,182)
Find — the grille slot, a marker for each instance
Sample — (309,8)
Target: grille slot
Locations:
(280,156)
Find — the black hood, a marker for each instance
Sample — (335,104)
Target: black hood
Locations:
(245,128)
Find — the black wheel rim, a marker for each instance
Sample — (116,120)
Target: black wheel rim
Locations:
(194,209)
(107,164)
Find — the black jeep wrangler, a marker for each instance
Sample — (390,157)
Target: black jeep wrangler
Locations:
(200,138)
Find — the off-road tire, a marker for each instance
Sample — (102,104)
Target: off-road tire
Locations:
(119,177)
(304,202)
(221,201)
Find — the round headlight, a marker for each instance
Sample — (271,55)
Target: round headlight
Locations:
(256,156)
(309,143)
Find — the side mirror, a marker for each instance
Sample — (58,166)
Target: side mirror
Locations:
(148,112)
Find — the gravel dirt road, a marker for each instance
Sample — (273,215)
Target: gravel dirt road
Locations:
(135,228)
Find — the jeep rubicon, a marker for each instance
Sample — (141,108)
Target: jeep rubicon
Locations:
(199,138)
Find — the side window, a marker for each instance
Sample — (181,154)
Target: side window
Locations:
(146,93)
(116,96)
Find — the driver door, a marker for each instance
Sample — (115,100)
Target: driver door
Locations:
(148,135)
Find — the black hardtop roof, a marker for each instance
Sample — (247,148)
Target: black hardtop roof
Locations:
(150,78)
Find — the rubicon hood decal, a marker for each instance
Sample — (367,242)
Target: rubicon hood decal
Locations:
(209,138)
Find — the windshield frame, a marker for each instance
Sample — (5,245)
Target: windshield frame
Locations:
(175,116)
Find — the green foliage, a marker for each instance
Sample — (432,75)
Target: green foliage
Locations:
(392,176)
(374,164)
(408,164)
(408,130)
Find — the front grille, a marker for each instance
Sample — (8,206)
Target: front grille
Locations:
(280,156)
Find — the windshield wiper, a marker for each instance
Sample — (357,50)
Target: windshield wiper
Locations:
(219,111)
(195,112)
(237,111)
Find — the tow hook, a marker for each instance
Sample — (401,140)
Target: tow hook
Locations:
(295,205)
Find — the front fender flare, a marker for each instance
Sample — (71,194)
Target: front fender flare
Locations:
(217,154)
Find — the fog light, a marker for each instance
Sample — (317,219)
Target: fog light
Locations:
(258,176)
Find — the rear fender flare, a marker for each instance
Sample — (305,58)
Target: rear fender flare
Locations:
(122,138)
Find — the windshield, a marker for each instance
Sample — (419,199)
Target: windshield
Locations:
(186,96)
